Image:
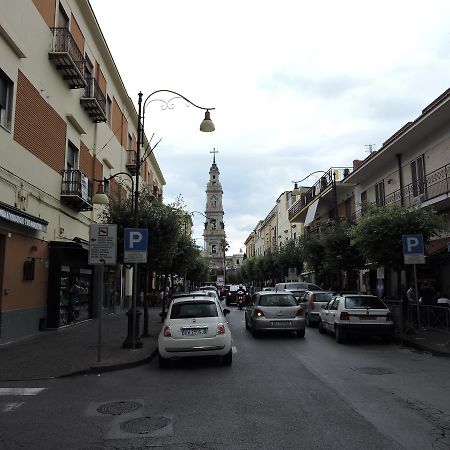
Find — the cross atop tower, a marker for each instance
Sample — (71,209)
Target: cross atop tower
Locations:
(214,157)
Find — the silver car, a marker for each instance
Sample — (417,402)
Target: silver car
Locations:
(274,311)
(313,302)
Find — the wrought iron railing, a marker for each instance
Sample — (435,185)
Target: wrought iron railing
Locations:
(329,177)
(63,42)
(92,90)
(75,182)
(433,185)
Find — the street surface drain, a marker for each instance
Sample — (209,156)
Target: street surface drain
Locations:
(144,425)
(118,408)
(373,370)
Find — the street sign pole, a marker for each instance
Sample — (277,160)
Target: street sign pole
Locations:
(416,290)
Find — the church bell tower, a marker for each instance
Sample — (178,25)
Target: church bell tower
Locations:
(214,232)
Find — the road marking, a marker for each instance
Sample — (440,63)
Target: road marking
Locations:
(234,349)
(21,391)
(8,407)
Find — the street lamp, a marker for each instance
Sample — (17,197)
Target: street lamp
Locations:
(101,198)
(332,178)
(207,126)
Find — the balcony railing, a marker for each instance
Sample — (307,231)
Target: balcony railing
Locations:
(131,161)
(76,190)
(326,180)
(68,58)
(94,101)
(433,185)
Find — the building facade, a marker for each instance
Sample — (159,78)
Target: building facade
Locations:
(66,120)
(214,231)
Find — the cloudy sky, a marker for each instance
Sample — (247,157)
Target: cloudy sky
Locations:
(298,86)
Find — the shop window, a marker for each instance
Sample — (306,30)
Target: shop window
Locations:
(6,92)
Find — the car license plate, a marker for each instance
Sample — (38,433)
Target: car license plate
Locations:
(280,323)
(193,331)
(367,317)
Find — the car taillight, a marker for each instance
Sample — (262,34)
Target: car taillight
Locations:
(300,312)
(220,328)
(258,313)
(167,332)
(344,315)
(388,317)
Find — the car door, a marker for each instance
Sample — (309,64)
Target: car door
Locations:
(324,316)
(332,313)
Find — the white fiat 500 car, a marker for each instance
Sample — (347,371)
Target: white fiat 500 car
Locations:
(195,326)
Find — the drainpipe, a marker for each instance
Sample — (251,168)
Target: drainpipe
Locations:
(400,178)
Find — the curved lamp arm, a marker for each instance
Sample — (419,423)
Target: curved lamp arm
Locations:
(296,190)
(100,198)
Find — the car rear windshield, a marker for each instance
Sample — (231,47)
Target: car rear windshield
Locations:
(364,302)
(189,310)
(277,300)
(323,297)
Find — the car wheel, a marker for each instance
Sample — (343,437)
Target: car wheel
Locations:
(301,333)
(246,324)
(321,327)
(307,320)
(227,359)
(387,339)
(253,331)
(340,335)
(163,362)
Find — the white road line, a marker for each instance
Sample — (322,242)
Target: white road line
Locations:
(234,349)
(21,391)
(8,407)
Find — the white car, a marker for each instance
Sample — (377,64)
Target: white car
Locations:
(356,314)
(195,326)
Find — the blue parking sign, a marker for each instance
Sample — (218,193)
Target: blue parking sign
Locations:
(135,245)
(413,249)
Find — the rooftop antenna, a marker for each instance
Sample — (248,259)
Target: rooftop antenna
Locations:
(369,148)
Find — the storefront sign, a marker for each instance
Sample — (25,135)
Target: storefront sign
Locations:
(16,216)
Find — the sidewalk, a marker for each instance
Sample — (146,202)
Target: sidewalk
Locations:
(428,340)
(74,349)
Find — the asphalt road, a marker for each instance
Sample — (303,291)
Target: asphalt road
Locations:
(280,393)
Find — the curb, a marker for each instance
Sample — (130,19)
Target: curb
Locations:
(424,348)
(93,370)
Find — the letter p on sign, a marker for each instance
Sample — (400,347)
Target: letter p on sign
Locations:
(413,249)
(135,238)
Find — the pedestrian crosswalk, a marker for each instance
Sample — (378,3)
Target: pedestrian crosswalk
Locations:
(8,406)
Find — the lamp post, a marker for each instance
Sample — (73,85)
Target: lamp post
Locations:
(206,126)
(296,190)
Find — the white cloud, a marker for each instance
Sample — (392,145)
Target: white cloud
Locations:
(298,86)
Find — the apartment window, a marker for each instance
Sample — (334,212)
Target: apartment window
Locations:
(418,176)
(379,193)
(6,91)
(72,157)
(108,111)
(213,248)
(129,141)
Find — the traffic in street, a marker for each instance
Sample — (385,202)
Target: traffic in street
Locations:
(280,392)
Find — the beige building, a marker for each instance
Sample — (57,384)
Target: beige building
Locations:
(65,120)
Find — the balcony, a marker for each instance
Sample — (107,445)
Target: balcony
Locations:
(323,187)
(131,161)
(94,101)
(67,57)
(435,186)
(76,190)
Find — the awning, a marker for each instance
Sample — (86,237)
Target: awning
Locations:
(16,215)
(311,214)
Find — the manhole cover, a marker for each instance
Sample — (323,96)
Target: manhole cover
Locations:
(144,425)
(373,370)
(118,408)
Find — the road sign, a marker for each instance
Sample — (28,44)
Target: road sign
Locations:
(135,245)
(413,249)
(102,244)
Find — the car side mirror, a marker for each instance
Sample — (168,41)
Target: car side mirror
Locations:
(226,312)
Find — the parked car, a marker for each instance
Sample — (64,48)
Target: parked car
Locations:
(195,326)
(356,314)
(313,302)
(274,311)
